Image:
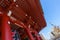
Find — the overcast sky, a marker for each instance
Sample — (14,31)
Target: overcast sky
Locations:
(51,9)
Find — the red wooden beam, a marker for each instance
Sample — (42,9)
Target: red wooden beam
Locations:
(20,24)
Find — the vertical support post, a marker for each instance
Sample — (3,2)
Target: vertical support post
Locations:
(29,34)
(40,38)
(6,31)
(0,21)
(0,25)
(37,36)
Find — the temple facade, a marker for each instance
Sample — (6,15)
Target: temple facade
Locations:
(21,19)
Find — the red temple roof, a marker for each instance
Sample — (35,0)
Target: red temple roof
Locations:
(22,16)
(26,9)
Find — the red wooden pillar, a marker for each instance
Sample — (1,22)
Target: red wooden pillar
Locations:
(6,31)
(40,38)
(37,36)
(0,21)
(29,34)
(0,25)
